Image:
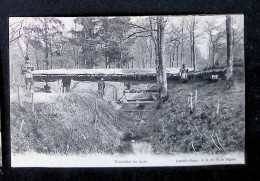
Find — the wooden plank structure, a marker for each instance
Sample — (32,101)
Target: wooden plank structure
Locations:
(66,75)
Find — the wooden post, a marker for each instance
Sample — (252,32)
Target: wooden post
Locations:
(60,87)
(218,106)
(66,81)
(32,101)
(19,96)
(21,127)
(113,94)
(191,106)
(196,97)
(96,112)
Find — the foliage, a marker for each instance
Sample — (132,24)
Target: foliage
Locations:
(122,42)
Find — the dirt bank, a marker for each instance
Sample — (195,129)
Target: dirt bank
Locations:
(216,123)
(83,123)
(75,124)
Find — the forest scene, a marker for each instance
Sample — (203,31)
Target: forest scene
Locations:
(127,84)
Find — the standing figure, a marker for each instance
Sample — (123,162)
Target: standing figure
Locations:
(183,74)
(47,88)
(27,69)
(101,87)
(127,85)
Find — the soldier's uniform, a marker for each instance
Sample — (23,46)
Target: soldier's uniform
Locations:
(27,69)
(101,87)
(183,73)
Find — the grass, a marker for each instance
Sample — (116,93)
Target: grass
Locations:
(70,125)
(173,127)
(82,123)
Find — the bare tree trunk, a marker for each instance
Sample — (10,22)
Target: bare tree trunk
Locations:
(173,58)
(229,48)
(170,60)
(106,61)
(36,59)
(173,54)
(27,48)
(191,58)
(151,53)
(51,54)
(193,53)
(193,45)
(182,42)
(143,61)
(161,63)
(46,43)
(177,55)
(213,56)
(93,61)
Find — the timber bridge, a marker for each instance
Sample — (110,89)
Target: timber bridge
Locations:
(118,75)
(127,76)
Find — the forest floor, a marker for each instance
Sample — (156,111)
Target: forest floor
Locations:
(82,122)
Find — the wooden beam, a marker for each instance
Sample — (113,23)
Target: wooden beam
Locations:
(136,110)
(140,91)
(139,102)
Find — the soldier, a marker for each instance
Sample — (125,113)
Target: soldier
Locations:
(47,88)
(183,74)
(27,69)
(127,85)
(101,87)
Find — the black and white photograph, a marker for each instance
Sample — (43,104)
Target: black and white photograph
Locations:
(127,91)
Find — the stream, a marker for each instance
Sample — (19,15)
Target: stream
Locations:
(135,147)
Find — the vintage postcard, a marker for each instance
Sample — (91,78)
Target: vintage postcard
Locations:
(127,91)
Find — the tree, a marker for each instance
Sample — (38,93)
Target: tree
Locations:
(44,31)
(161,63)
(216,37)
(191,24)
(37,47)
(16,31)
(116,47)
(102,41)
(154,28)
(229,48)
(174,42)
(86,38)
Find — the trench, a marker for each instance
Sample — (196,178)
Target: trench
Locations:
(136,141)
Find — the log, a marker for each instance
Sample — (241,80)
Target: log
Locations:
(139,102)
(140,91)
(140,99)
